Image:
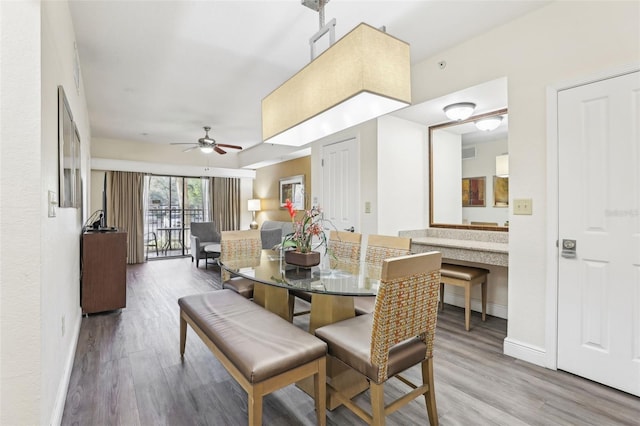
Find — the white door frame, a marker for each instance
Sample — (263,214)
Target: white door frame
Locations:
(551,324)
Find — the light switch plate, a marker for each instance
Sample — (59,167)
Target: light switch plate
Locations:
(523,206)
(367,206)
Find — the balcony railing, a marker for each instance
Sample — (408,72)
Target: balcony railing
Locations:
(172,228)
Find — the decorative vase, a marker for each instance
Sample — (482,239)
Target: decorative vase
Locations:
(305,260)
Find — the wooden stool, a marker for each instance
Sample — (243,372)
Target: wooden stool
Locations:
(464,276)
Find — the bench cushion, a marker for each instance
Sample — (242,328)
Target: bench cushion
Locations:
(259,343)
(460,272)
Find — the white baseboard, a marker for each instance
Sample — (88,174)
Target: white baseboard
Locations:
(493,309)
(63,387)
(526,352)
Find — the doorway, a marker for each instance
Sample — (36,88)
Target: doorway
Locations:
(598,259)
(340,171)
(172,203)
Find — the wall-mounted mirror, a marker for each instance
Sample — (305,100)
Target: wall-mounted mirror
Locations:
(466,189)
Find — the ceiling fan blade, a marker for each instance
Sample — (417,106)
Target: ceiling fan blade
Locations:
(229,146)
(190,149)
(181,143)
(219,150)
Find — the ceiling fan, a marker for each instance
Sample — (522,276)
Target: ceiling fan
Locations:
(207,144)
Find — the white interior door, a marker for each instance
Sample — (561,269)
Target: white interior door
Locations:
(599,209)
(340,184)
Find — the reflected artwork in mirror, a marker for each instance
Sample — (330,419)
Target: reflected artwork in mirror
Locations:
(466,192)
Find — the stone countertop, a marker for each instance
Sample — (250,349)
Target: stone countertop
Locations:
(489,249)
(455,243)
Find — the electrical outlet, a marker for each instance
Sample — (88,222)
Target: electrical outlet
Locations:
(63,325)
(523,206)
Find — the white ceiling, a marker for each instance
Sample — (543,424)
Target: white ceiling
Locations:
(157,71)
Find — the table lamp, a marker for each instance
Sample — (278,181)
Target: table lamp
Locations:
(253,207)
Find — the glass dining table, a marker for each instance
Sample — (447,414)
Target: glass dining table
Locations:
(332,289)
(332,299)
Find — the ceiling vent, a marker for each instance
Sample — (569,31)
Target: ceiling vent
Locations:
(469,152)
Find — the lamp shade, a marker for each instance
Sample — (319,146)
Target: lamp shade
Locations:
(253,205)
(502,165)
(206,149)
(490,123)
(459,111)
(365,74)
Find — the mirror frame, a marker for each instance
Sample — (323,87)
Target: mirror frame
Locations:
(503,111)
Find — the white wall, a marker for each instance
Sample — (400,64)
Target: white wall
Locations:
(60,235)
(540,49)
(402,172)
(40,255)
(447,195)
(21,202)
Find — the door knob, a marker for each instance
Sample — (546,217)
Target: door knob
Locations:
(568,249)
(352,229)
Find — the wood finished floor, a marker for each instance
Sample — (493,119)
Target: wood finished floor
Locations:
(127,371)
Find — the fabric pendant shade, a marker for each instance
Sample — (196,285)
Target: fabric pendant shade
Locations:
(364,75)
(502,165)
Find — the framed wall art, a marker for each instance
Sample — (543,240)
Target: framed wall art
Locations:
(68,155)
(473,192)
(292,188)
(500,191)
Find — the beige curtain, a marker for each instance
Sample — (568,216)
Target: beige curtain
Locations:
(225,202)
(125,209)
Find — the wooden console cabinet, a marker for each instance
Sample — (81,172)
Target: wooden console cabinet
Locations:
(104,271)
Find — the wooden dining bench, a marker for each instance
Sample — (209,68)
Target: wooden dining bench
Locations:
(464,276)
(260,350)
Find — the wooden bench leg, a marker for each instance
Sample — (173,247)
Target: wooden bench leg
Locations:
(254,400)
(183,334)
(467,306)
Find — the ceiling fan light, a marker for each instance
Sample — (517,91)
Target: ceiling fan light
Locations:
(460,110)
(488,124)
(206,149)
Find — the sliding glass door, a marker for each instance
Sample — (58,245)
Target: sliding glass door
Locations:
(173,202)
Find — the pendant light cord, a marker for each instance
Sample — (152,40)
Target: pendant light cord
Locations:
(321,12)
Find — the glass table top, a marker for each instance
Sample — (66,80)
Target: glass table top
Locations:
(270,268)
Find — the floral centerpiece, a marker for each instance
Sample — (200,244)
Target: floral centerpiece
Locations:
(301,240)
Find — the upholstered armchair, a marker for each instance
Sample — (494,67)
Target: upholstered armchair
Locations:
(202,234)
(272,231)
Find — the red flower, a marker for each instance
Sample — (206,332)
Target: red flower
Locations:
(289,205)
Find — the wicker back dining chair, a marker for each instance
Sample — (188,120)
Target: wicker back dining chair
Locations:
(398,335)
(379,248)
(344,250)
(244,249)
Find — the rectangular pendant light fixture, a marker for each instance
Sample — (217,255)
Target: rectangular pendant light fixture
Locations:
(364,75)
(502,165)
